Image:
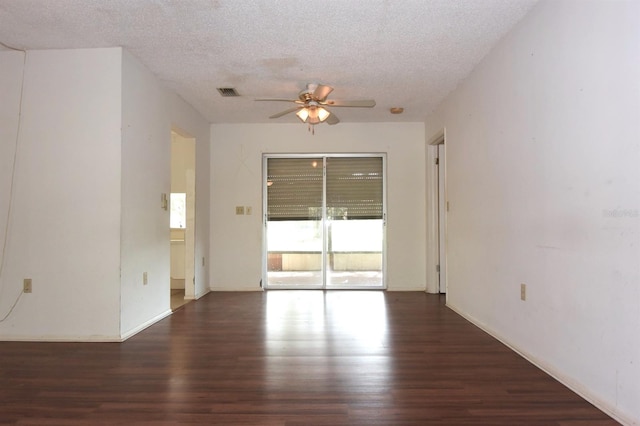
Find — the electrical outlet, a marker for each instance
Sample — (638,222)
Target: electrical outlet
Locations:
(145,281)
(523,291)
(27,285)
(239,209)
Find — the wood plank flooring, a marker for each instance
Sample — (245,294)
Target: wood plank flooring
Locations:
(289,358)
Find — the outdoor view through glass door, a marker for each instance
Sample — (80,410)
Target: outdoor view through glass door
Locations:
(324,221)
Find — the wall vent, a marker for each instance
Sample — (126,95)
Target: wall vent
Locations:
(227,91)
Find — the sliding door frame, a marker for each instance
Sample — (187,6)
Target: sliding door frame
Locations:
(324,220)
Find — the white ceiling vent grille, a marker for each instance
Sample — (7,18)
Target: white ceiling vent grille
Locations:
(227,91)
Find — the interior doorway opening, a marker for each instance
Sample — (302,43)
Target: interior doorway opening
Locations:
(182,219)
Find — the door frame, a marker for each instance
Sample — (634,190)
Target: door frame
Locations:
(190,226)
(265,156)
(432,219)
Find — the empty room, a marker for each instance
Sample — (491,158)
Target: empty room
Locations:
(303,213)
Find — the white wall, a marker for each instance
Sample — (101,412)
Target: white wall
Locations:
(93,159)
(11,64)
(146,174)
(149,113)
(66,196)
(543,173)
(236,162)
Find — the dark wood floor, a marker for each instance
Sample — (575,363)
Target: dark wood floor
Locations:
(289,358)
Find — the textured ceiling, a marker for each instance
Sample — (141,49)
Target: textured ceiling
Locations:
(408,53)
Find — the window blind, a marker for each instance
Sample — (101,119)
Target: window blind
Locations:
(294,188)
(354,188)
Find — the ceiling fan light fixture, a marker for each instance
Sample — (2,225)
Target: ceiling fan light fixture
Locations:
(323,114)
(313,114)
(303,114)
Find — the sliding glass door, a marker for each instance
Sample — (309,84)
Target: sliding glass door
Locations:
(324,221)
(293,221)
(354,221)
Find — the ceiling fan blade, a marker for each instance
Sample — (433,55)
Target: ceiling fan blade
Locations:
(285,112)
(279,100)
(367,103)
(322,92)
(332,119)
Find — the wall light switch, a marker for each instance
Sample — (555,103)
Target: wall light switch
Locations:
(523,291)
(145,281)
(239,209)
(248,209)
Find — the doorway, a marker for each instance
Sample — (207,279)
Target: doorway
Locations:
(182,219)
(437,208)
(442,220)
(324,221)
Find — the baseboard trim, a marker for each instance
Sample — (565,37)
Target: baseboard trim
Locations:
(405,288)
(231,288)
(243,289)
(144,325)
(204,293)
(575,386)
(68,339)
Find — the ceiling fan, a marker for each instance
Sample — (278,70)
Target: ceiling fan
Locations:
(312,103)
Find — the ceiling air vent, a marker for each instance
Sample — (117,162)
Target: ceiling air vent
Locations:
(227,91)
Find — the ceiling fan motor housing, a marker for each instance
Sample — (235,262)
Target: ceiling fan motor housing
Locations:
(305,96)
